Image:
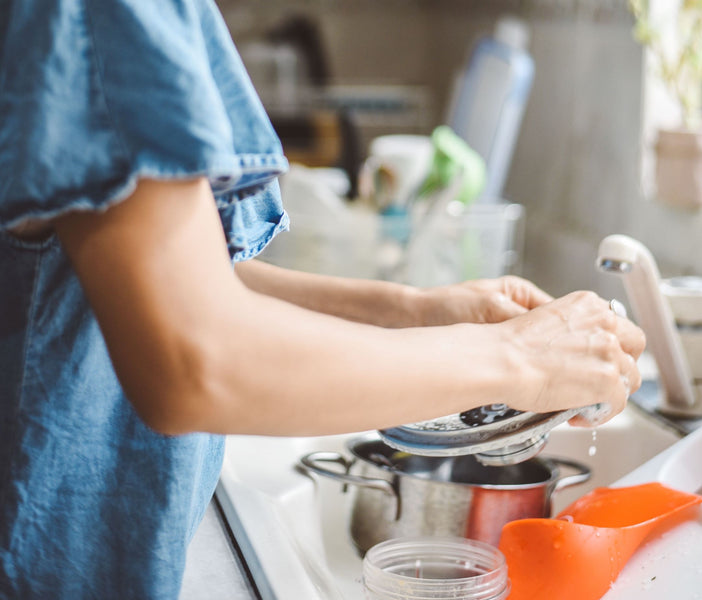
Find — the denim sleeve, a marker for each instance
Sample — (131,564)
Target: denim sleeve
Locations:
(95,95)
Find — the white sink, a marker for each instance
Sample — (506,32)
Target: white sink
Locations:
(300,528)
(622,445)
(611,451)
(668,565)
(682,468)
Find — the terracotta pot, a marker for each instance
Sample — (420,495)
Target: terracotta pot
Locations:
(679,168)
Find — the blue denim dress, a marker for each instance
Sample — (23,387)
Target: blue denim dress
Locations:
(93,96)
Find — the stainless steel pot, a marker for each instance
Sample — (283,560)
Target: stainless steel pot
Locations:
(399,494)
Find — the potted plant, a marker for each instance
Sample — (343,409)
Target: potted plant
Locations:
(677,56)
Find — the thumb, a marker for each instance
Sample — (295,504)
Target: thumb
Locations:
(503,308)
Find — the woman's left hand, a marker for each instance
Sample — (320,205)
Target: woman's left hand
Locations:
(480,301)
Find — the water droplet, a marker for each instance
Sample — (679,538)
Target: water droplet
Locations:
(592,450)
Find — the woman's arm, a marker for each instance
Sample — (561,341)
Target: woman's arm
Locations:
(391,304)
(197,350)
(379,303)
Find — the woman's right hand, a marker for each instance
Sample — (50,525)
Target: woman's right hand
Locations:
(573,352)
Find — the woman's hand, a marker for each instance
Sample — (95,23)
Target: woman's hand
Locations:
(480,301)
(573,352)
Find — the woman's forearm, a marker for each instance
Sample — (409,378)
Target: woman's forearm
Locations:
(380,303)
(306,373)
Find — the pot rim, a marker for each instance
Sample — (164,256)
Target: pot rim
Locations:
(550,463)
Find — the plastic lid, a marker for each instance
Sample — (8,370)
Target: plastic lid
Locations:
(513,32)
(453,157)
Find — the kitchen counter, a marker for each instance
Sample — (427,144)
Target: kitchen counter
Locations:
(214,570)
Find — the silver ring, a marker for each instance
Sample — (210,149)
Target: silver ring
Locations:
(617,308)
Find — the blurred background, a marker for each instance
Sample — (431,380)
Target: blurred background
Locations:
(551,108)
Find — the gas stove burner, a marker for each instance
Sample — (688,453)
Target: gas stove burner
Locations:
(496,434)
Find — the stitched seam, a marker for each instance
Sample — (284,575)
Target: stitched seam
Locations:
(99,70)
(3,53)
(25,244)
(31,314)
(30,322)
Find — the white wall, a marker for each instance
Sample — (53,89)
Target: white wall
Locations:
(577,163)
(577,167)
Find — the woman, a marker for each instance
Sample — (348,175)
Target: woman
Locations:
(135,164)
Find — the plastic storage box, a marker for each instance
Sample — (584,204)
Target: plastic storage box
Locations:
(453,245)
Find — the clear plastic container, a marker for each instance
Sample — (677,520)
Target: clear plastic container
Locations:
(435,567)
(483,241)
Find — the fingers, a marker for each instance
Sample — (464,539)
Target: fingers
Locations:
(630,375)
(500,308)
(620,380)
(593,416)
(584,354)
(524,292)
(622,344)
(486,300)
(600,413)
(631,337)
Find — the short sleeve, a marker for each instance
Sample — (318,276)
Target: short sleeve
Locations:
(95,95)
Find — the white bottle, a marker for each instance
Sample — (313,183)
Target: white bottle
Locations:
(490,97)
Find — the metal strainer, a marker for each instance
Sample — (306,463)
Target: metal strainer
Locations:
(496,434)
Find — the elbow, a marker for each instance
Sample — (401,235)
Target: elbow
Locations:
(170,417)
(192,386)
(173,414)
(174,398)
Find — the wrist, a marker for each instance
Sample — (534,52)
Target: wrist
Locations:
(409,306)
(425,307)
(437,306)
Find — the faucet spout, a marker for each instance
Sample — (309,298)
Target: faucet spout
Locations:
(612,265)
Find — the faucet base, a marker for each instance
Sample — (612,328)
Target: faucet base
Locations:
(650,398)
(674,410)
